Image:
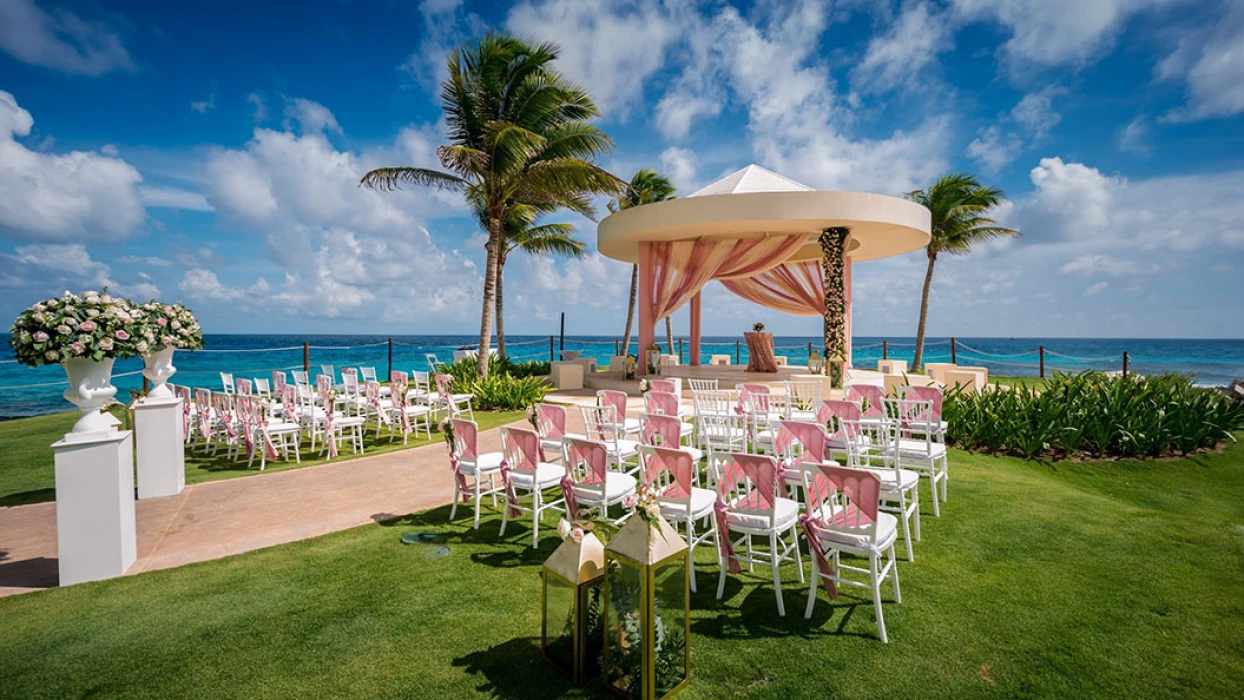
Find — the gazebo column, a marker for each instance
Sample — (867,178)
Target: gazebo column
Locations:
(695,330)
(847,283)
(647,324)
(834,263)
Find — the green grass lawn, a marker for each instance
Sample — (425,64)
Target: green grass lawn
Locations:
(1119,579)
(27,473)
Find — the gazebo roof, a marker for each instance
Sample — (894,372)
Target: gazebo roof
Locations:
(755,202)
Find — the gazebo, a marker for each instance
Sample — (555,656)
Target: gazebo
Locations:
(766,238)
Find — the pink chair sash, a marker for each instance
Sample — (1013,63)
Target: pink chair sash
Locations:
(664,385)
(678,463)
(870,394)
(278,380)
(324,384)
(550,423)
(520,448)
(397,394)
(587,453)
(862,490)
(662,431)
(184,394)
(661,403)
(445,391)
(466,446)
(763,473)
(617,399)
(928,393)
(245,387)
(203,402)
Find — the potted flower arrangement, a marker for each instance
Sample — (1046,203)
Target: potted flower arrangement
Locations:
(85,334)
(164,329)
(629,369)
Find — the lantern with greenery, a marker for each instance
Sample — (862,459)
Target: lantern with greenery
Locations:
(570,628)
(647,607)
(836,368)
(653,354)
(814,362)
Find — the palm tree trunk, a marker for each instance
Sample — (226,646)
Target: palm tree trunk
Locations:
(669,332)
(630,311)
(500,297)
(490,293)
(916,362)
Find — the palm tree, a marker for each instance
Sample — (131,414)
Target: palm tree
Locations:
(522,231)
(960,207)
(647,186)
(518,132)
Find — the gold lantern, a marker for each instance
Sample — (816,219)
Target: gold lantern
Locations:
(647,610)
(815,366)
(570,631)
(836,368)
(653,354)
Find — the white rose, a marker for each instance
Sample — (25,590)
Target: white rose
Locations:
(52,355)
(105,344)
(93,313)
(142,346)
(38,317)
(38,307)
(64,330)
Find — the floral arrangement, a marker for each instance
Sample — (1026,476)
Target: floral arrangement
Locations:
(534,419)
(645,386)
(446,427)
(645,504)
(570,531)
(630,367)
(90,326)
(758,327)
(166,325)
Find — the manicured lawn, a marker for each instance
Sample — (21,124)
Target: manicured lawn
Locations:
(27,473)
(1120,579)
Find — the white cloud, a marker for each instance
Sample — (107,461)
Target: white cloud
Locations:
(993,149)
(73,196)
(203,285)
(1054,32)
(1095,289)
(1096,265)
(173,198)
(1134,136)
(1211,61)
(61,40)
(50,268)
(202,106)
(677,111)
(259,109)
(679,165)
(1028,123)
(899,56)
(1071,200)
(445,25)
(144,260)
(593,281)
(311,117)
(614,48)
(1035,112)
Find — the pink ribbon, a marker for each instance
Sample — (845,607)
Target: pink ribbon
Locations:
(812,529)
(462,482)
(330,429)
(720,511)
(510,497)
(572,505)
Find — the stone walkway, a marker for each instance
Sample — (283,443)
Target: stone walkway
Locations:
(219,518)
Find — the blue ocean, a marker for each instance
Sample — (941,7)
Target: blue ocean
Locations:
(26,391)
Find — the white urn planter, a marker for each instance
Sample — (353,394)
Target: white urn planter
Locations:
(90,389)
(158,368)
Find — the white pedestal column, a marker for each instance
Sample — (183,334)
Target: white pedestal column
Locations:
(95,527)
(161,447)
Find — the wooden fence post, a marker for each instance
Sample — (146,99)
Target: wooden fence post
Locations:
(561,343)
(552,358)
(390,374)
(1041,353)
(680,351)
(306,358)
(1125,358)
(737,354)
(954,360)
(885,349)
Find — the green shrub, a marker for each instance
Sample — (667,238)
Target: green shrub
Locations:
(1093,415)
(510,385)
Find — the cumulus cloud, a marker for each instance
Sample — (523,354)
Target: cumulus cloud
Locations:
(679,165)
(1028,123)
(50,268)
(78,195)
(1096,265)
(899,56)
(1095,289)
(310,117)
(60,40)
(173,198)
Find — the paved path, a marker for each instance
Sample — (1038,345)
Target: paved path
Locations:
(220,518)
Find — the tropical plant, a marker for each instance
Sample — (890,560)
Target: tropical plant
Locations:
(1093,415)
(518,132)
(960,208)
(508,385)
(646,186)
(522,231)
(91,325)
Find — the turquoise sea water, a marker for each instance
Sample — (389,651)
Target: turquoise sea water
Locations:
(26,391)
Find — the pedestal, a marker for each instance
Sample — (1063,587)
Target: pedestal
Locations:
(161,447)
(95,528)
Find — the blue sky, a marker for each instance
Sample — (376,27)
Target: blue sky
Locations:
(210,153)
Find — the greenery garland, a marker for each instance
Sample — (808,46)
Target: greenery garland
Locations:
(833,242)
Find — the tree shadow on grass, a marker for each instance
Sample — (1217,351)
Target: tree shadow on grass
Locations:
(24,498)
(512,550)
(515,670)
(757,615)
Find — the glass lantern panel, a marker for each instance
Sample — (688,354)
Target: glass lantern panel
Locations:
(669,625)
(559,623)
(594,620)
(625,645)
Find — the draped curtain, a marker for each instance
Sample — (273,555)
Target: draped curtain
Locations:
(678,270)
(793,288)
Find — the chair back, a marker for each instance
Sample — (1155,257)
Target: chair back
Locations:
(931,394)
(601,423)
(399,382)
(616,399)
(226,379)
(808,441)
(289,402)
(368,373)
(434,365)
(324,386)
(671,472)
(661,430)
(586,461)
(755,400)
(870,397)
(466,438)
(245,387)
(278,380)
(854,513)
(803,395)
(445,391)
(550,421)
(662,403)
(422,382)
(183,392)
(749,483)
(350,379)
(301,378)
(371,390)
(703,385)
(262,386)
(722,432)
(665,385)
(521,449)
(911,418)
(203,405)
(711,402)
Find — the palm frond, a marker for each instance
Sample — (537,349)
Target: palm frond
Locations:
(390,179)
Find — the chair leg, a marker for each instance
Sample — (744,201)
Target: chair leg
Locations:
(906,518)
(876,586)
(794,538)
(915,501)
(812,583)
(453,509)
(494,498)
(721,574)
(777,573)
(937,511)
(505,516)
(898,595)
(535,520)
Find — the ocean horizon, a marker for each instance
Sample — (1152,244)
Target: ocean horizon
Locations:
(26,391)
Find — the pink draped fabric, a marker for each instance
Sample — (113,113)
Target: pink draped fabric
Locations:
(662,431)
(465,446)
(794,288)
(862,490)
(763,473)
(678,463)
(869,394)
(520,448)
(580,454)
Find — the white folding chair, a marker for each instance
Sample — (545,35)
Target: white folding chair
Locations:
(524,473)
(672,473)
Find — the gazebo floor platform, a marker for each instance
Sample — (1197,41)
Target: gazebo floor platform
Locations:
(727,377)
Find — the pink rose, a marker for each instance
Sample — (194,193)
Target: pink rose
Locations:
(162,321)
(88,326)
(77,348)
(168,309)
(122,335)
(40,337)
(167,340)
